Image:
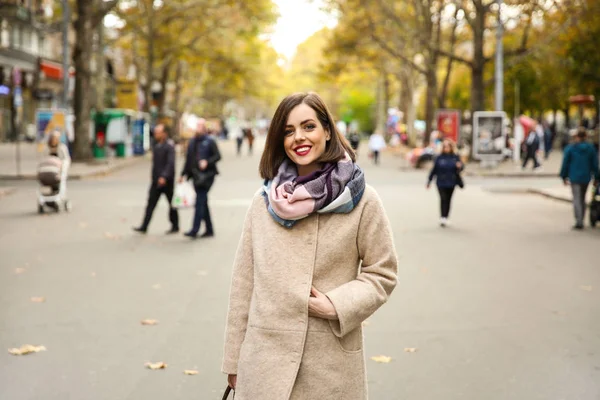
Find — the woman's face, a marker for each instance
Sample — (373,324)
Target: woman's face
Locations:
(305,139)
(53,141)
(447,148)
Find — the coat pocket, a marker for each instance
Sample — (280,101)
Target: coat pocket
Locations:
(351,342)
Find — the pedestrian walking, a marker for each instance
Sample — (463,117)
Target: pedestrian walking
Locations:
(249,136)
(548,139)
(446,169)
(579,166)
(532,145)
(239,139)
(315,259)
(376,145)
(163,178)
(354,139)
(201,167)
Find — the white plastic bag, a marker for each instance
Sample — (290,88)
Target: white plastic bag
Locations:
(185,196)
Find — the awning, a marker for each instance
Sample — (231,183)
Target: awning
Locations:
(51,69)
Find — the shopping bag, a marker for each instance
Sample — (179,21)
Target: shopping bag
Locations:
(185,196)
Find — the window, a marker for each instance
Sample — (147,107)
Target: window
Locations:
(35,49)
(4,33)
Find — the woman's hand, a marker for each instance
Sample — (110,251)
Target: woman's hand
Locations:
(232,381)
(320,306)
(459,165)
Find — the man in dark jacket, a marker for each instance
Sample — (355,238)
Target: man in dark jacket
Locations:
(532,145)
(163,178)
(201,166)
(579,166)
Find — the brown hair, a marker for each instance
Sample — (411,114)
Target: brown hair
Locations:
(274,152)
(452,145)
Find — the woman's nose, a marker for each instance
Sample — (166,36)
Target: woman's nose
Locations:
(298,135)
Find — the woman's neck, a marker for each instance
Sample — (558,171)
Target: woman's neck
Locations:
(304,170)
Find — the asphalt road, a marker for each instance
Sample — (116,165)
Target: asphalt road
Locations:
(504,304)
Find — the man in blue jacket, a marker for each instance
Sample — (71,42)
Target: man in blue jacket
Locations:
(580,164)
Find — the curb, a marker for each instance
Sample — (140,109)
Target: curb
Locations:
(92,174)
(549,195)
(512,174)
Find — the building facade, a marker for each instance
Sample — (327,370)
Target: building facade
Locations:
(31,73)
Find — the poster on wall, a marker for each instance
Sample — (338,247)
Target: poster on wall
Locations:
(49,120)
(127,94)
(448,124)
(489,135)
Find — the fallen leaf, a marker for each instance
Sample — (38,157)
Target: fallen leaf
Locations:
(123,220)
(381,359)
(156,365)
(38,299)
(149,322)
(111,236)
(26,349)
(424,270)
(156,286)
(190,372)
(586,288)
(19,270)
(410,350)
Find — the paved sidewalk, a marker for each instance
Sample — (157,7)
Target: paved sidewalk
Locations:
(560,192)
(549,168)
(31,153)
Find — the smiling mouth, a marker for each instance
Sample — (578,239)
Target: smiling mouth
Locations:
(302,150)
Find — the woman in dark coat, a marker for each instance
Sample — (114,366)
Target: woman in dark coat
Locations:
(447,170)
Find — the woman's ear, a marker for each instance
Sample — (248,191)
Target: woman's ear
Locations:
(327,135)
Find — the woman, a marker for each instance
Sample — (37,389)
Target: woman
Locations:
(447,170)
(58,149)
(316,258)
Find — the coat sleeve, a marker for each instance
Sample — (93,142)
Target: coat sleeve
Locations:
(356,300)
(564,169)
(215,154)
(433,171)
(242,285)
(169,168)
(595,169)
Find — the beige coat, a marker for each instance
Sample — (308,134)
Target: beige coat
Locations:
(275,348)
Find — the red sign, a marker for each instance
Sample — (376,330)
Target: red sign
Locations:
(448,124)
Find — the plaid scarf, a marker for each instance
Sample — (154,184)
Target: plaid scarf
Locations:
(336,188)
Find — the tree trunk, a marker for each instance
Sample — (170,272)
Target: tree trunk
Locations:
(100,69)
(477,82)
(82,102)
(431,94)
(162,98)
(381,111)
(177,98)
(149,59)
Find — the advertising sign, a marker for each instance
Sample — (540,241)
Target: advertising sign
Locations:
(448,124)
(47,121)
(127,95)
(489,135)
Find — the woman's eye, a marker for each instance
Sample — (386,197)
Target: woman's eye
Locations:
(310,127)
(288,132)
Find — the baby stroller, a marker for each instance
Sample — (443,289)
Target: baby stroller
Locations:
(595,205)
(52,177)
